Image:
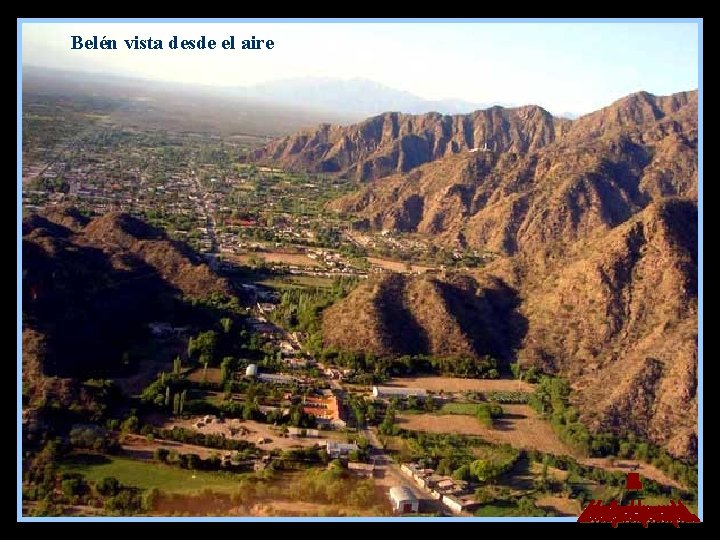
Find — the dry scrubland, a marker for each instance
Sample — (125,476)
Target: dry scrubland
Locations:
(519,427)
(452,384)
(297,259)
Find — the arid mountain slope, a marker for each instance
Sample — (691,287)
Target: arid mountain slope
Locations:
(597,233)
(605,169)
(455,317)
(395,142)
(618,317)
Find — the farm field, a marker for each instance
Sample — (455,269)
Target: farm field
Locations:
(519,426)
(212,375)
(138,447)
(562,506)
(266,508)
(397,266)
(297,282)
(452,384)
(278,257)
(149,475)
(305,509)
(301,493)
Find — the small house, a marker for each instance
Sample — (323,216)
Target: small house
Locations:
(403,500)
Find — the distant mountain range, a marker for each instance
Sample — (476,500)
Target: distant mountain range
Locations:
(353,96)
(299,101)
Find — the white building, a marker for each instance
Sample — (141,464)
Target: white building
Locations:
(337,449)
(387,392)
(276,378)
(403,500)
(453,503)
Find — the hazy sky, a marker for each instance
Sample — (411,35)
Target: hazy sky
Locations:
(575,67)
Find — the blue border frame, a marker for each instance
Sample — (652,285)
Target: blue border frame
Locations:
(21,21)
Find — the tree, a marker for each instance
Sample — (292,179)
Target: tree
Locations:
(388,424)
(203,346)
(193,461)
(462,473)
(371,413)
(484,415)
(481,469)
(150,499)
(531,375)
(183,395)
(73,486)
(177,363)
(526,507)
(161,454)
(130,425)
(226,324)
(226,368)
(108,486)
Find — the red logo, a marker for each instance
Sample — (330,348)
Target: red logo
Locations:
(635,511)
(633,482)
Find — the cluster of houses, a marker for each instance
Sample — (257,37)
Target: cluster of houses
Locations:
(324,405)
(334,372)
(454,494)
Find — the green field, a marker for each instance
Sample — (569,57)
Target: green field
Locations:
(147,475)
(496,510)
(297,282)
(470,409)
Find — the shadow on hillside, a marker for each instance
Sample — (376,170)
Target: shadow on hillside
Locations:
(401,331)
(490,316)
(91,311)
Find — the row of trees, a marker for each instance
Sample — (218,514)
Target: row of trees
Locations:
(551,399)
(301,309)
(485,367)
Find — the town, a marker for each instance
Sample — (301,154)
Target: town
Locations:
(231,409)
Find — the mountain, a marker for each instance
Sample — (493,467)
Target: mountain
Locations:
(593,226)
(396,143)
(454,317)
(618,318)
(91,286)
(359,97)
(543,191)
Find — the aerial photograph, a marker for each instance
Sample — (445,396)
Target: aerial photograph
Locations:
(360,269)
